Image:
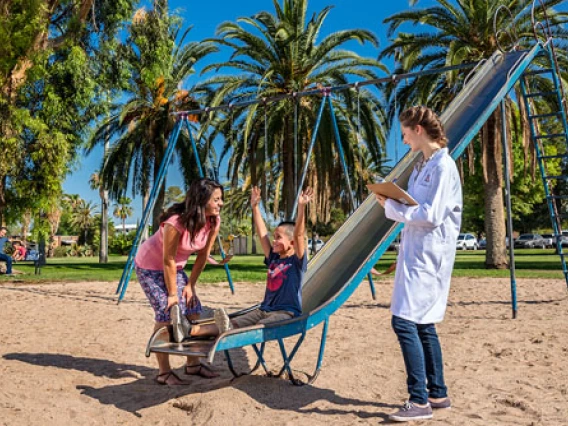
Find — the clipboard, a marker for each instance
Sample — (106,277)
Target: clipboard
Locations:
(392,190)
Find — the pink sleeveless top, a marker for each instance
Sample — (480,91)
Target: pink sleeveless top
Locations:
(151,253)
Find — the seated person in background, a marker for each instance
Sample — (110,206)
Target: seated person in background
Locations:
(287,262)
(3,256)
(19,251)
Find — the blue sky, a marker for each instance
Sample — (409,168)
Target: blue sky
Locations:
(205,16)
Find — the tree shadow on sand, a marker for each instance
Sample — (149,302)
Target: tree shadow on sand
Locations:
(143,392)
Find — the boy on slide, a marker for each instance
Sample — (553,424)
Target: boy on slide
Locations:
(286,258)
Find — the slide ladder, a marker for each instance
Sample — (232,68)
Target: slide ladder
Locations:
(544,101)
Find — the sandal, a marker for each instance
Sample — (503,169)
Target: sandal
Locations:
(202,371)
(166,376)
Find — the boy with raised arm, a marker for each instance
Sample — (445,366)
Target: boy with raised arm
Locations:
(287,261)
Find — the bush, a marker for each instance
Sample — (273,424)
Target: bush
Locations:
(60,251)
(121,244)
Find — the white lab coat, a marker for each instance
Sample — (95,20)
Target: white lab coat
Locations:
(428,243)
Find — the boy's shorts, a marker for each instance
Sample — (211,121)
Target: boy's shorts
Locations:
(258,316)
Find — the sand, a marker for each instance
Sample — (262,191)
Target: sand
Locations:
(70,355)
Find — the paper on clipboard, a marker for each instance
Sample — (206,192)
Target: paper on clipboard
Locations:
(392,190)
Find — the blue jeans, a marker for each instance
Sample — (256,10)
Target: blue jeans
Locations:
(422,358)
(8,259)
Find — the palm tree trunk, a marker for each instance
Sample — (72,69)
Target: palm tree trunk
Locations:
(254,182)
(159,204)
(103,244)
(145,198)
(496,255)
(288,188)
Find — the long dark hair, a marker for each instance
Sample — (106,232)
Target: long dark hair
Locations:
(191,211)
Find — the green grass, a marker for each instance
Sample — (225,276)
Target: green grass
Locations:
(529,264)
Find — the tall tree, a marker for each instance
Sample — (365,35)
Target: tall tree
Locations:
(453,32)
(82,218)
(158,60)
(276,54)
(53,62)
(123,210)
(96,183)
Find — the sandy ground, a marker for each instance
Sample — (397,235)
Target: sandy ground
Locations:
(70,355)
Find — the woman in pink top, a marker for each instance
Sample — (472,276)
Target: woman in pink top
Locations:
(186,228)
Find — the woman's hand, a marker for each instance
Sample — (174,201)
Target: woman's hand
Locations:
(191,299)
(187,293)
(381,199)
(172,300)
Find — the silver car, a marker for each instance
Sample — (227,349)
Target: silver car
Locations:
(530,241)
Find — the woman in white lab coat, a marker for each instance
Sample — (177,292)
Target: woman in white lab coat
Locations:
(425,261)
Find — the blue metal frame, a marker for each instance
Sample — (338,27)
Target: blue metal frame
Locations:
(505,145)
(541,155)
(127,272)
(327,99)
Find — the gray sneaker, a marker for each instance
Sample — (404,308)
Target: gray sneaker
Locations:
(446,403)
(222,320)
(180,324)
(410,412)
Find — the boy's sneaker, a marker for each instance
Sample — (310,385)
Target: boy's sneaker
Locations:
(180,324)
(446,403)
(222,320)
(410,412)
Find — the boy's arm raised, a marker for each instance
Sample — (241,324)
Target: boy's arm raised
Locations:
(259,221)
(300,228)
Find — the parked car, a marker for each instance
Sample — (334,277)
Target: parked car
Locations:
(467,242)
(548,240)
(319,245)
(530,241)
(395,245)
(483,243)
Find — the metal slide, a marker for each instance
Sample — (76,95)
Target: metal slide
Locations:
(336,270)
(361,241)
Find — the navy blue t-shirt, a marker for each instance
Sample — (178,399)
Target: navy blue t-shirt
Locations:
(284,283)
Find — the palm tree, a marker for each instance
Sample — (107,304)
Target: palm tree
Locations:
(159,60)
(174,194)
(276,55)
(96,183)
(82,217)
(453,32)
(122,211)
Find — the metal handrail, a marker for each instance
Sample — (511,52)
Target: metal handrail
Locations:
(472,72)
(512,35)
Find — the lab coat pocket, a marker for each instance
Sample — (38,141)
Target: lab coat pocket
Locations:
(426,250)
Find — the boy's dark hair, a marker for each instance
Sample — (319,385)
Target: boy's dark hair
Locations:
(289,226)
(3,228)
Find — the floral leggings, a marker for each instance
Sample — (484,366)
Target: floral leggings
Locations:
(154,286)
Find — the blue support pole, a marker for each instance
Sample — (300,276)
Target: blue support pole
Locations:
(310,149)
(341,152)
(123,283)
(346,173)
(372,285)
(322,344)
(509,210)
(202,175)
